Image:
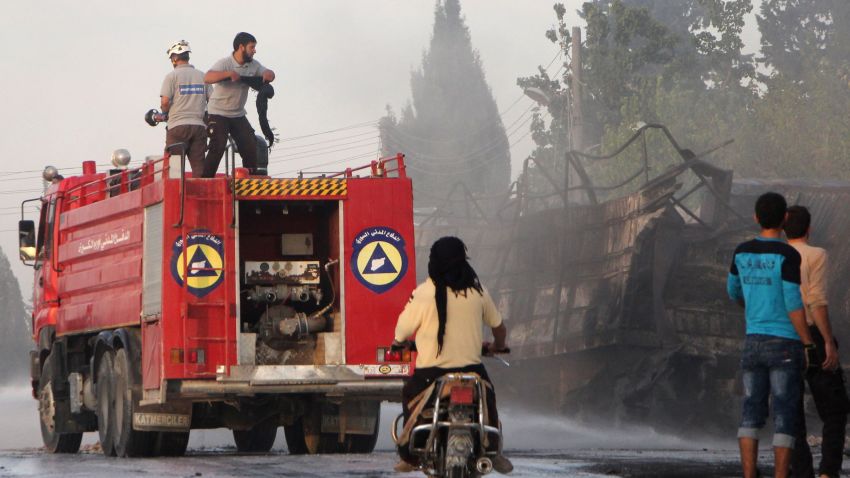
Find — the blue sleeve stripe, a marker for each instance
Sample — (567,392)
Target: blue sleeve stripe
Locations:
(793,299)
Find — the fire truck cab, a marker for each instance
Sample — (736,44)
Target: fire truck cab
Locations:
(164,303)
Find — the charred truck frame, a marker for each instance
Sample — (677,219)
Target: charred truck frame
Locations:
(164,303)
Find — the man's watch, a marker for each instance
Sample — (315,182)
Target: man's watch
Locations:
(809,346)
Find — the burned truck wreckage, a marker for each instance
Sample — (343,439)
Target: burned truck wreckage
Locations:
(617,309)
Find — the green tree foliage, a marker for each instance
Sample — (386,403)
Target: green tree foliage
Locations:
(451,130)
(718,39)
(798,127)
(790,121)
(625,48)
(636,70)
(797,35)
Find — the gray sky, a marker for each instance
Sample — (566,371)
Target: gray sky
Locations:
(79,76)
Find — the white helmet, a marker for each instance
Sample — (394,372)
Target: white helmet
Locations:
(179,47)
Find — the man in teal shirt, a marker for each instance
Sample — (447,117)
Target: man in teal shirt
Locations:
(765,278)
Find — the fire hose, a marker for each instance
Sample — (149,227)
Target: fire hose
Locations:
(265,91)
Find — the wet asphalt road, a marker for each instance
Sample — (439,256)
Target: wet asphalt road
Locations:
(225,462)
(581,451)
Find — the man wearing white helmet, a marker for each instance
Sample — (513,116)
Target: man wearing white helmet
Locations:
(227,104)
(184,97)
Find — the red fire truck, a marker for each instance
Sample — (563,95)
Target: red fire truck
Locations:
(164,303)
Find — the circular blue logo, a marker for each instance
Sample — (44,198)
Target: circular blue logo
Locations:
(378,259)
(204,268)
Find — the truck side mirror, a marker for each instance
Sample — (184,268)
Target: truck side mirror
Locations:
(26,240)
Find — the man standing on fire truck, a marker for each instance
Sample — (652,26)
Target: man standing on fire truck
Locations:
(184,98)
(227,104)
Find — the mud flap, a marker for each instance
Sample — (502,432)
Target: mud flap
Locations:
(352,418)
(169,417)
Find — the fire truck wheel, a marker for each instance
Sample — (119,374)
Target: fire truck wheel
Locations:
(303,436)
(364,443)
(54,442)
(295,438)
(170,443)
(128,442)
(258,439)
(105,404)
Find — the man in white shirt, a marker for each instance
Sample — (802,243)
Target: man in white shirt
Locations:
(825,376)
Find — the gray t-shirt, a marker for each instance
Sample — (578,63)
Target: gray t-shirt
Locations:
(185,89)
(228,98)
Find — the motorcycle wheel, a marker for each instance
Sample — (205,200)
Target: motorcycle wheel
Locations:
(458,449)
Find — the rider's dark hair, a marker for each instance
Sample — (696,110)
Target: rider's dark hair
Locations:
(449,269)
(243,38)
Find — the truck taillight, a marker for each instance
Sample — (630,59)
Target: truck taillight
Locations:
(462,395)
(387,354)
(192,356)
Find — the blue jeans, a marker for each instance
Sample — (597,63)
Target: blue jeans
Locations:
(772,367)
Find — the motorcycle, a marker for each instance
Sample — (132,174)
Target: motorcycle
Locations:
(450,438)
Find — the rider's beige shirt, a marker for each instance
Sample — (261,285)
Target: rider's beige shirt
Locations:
(466,314)
(813,276)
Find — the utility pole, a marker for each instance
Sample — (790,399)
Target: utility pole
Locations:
(575,90)
(576,118)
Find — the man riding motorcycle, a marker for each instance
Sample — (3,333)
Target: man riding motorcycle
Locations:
(446,313)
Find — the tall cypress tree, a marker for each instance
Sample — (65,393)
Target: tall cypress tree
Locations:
(450,130)
(15,341)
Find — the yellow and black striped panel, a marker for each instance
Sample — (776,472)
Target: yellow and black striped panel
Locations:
(320,187)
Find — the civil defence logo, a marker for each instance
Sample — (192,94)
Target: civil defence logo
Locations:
(204,262)
(378,259)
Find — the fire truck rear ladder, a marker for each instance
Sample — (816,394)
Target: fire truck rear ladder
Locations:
(185,306)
